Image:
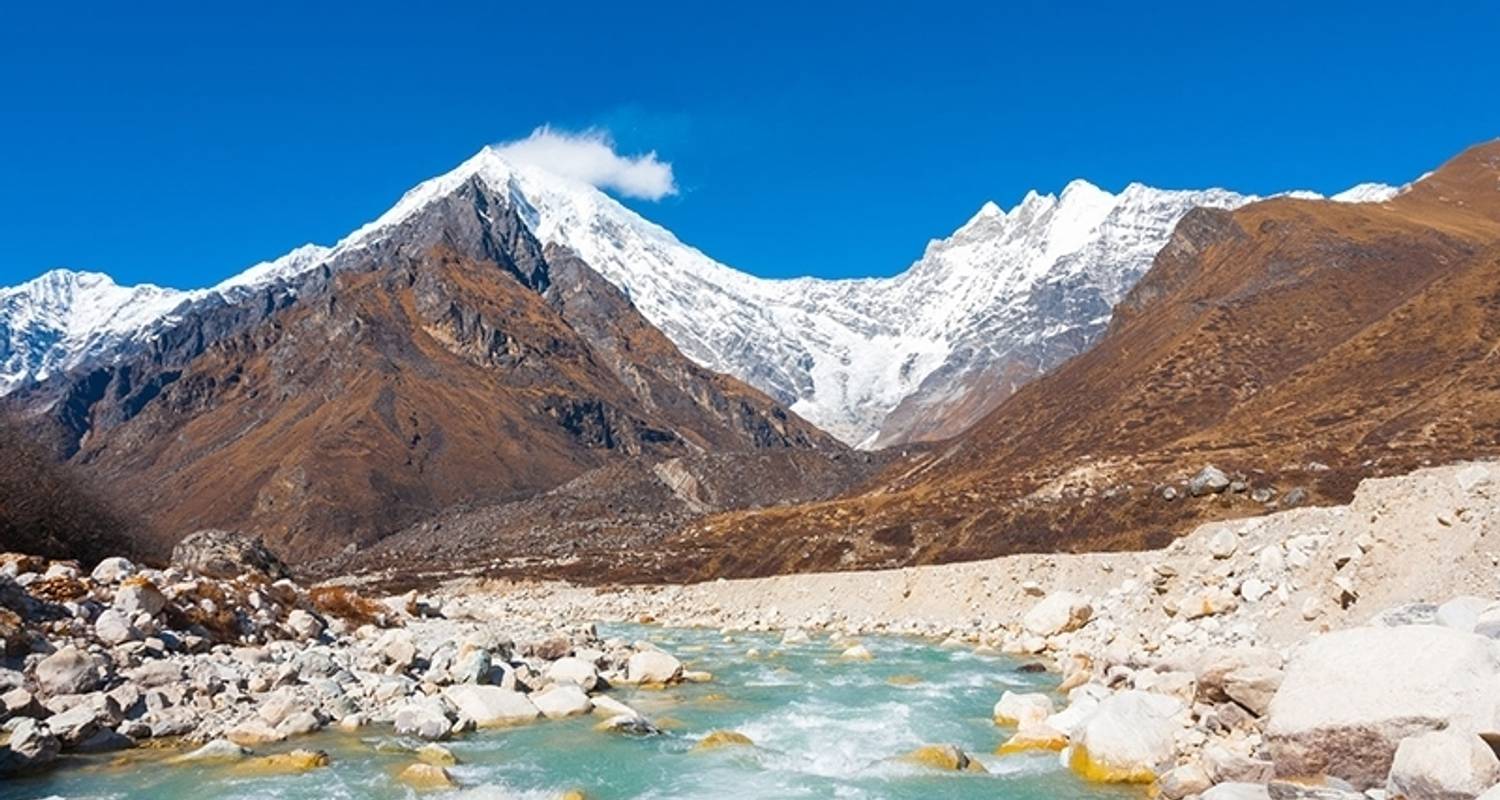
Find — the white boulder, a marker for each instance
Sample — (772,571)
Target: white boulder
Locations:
(1021,710)
(1349,698)
(1058,612)
(491,706)
(561,700)
(1130,738)
(1442,765)
(653,666)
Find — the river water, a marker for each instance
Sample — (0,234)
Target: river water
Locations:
(822,727)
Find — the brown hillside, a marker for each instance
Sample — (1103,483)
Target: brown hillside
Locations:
(458,365)
(1299,344)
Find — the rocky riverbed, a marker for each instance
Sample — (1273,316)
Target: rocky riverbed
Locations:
(1318,652)
(1322,652)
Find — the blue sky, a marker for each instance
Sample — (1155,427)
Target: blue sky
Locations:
(179,143)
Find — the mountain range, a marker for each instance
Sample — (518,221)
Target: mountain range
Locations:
(1295,345)
(876,362)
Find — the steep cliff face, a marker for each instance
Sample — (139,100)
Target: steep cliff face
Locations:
(454,361)
(1298,344)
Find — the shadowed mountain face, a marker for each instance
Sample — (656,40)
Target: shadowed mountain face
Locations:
(1299,343)
(452,361)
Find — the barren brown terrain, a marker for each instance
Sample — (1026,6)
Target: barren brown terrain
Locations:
(1298,345)
(465,366)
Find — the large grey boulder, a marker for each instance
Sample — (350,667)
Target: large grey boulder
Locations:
(1442,765)
(68,671)
(226,554)
(30,747)
(1349,698)
(1209,480)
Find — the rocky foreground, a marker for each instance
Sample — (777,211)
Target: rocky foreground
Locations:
(1331,653)
(1315,653)
(220,654)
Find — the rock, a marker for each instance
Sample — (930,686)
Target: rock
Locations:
(491,706)
(719,739)
(1206,602)
(1223,543)
(306,626)
(1411,679)
(1409,614)
(561,700)
(251,732)
(944,757)
(1022,709)
(397,647)
(30,748)
(1130,738)
(1442,765)
(218,750)
(225,554)
(299,724)
(137,595)
(296,761)
(1225,765)
(1254,590)
(1253,687)
(68,671)
(436,754)
(652,666)
(1209,480)
(1296,497)
(112,570)
(795,636)
(113,628)
(552,649)
(1237,791)
(1033,736)
(631,724)
(74,725)
(857,653)
(1182,781)
(425,718)
(1059,612)
(1462,613)
(473,667)
(426,777)
(14,640)
(575,671)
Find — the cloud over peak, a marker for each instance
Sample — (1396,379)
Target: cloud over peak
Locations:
(589,156)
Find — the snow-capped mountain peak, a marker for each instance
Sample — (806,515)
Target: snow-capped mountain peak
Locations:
(1006,296)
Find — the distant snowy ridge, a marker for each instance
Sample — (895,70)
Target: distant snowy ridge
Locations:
(873,361)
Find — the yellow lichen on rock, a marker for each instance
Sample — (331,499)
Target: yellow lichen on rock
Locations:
(283,763)
(426,777)
(1031,738)
(1091,770)
(436,755)
(944,757)
(719,739)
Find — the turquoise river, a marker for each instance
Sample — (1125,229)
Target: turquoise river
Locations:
(821,727)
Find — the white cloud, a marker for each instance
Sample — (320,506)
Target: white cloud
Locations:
(589,156)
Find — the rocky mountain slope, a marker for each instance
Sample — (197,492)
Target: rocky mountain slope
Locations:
(454,359)
(1299,345)
(876,362)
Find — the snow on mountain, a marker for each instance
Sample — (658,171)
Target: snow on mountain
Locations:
(1007,296)
(65,318)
